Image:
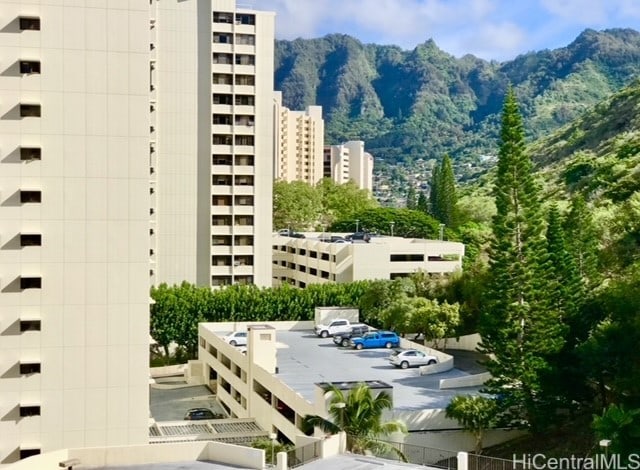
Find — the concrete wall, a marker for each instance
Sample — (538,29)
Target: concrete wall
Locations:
(457,440)
(474,380)
(465,343)
(99,457)
(445,361)
(226,327)
(324,315)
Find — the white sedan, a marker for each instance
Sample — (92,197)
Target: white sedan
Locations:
(237,338)
(411,358)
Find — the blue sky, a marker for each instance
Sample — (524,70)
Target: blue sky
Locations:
(490,29)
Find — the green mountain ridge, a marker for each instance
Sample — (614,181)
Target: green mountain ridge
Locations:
(424,102)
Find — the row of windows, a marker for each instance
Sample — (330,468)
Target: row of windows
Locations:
(218,200)
(228,119)
(238,240)
(221,220)
(228,139)
(230,79)
(238,180)
(240,160)
(239,100)
(230,38)
(230,18)
(303,252)
(218,281)
(227,260)
(224,58)
(305,269)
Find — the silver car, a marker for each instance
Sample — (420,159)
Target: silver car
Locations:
(411,358)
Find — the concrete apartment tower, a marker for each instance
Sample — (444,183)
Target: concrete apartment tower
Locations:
(349,161)
(74,225)
(299,143)
(212,153)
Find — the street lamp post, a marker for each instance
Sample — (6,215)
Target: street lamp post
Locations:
(273,437)
(357,225)
(391,224)
(441,231)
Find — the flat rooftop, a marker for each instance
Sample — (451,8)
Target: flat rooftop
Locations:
(193,465)
(303,360)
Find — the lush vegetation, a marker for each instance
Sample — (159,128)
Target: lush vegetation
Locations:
(358,413)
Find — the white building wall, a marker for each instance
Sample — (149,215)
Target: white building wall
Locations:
(93,218)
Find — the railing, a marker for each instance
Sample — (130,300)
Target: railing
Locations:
(483,462)
(419,455)
(302,455)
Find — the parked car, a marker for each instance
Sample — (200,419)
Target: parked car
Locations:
(199,413)
(237,338)
(335,327)
(344,339)
(411,358)
(376,339)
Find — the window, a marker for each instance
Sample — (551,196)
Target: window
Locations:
(223,119)
(29,66)
(221,160)
(243,261)
(244,18)
(30,325)
(241,59)
(221,260)
(219,98)
(221,180)
(222,79)
(221,220)
(222,38)
(30,239)
(245,100)
(248,80)
(220,240)
(220,200)
(244,200)
(220,58)
(220,280)
(30,283)
(31,410)
(29,23)
(243,180)
(244,140)
(243,240)
(222,17)
(244,160)
(313,271)
(29,368)
(407,257)
(28,154)
(244,220)
(30,196)
(30,110)
(222,139)
(244,120)
(24,453)
(244,280)
(246,39)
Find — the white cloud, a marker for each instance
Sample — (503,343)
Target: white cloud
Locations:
(492,29)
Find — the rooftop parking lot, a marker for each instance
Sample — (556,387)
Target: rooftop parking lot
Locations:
(304,360)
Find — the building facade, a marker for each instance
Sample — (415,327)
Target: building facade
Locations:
(299,143)
(349,161)
(74,225)
(303,261)
(212,148)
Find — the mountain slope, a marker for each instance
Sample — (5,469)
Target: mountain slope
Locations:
(424,102)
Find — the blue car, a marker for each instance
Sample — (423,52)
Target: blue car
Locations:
(376,339)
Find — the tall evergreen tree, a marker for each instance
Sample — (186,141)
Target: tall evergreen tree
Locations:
(582,240)
(423,203)
(517,329)
(411,197)
(433,192)
(447,198)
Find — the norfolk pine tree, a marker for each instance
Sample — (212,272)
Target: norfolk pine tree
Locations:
(582,240)
(517,328)
(411,197)
(447,198)
(423,203)
(433,192)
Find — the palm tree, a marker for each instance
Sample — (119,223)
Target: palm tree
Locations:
(359,415)
(475,414)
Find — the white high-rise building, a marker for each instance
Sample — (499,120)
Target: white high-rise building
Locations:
(349,161)
(299,142)
(212,154)
(74,225)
